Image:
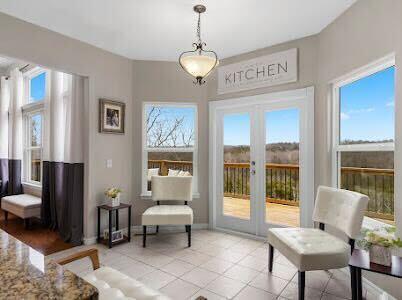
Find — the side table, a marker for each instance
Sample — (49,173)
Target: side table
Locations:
(115,209)
(360,260)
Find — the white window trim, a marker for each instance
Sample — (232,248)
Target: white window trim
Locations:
(145,194)
(365,71)
(28,148)
(29,109)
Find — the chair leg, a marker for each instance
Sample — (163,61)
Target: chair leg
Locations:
(353,282)
(188,229)
(27,223)
(157,228)
(6,216)
(144,236)
(302,283)
(270,258)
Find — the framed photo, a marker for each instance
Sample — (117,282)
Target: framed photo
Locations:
(111,116)
(116,235)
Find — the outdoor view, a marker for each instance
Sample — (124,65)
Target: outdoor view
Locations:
(366,118)
(170,141)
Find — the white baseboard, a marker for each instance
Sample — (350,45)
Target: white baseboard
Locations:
(137,229)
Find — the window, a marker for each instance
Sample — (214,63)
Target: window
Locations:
(169,142)
(35,87)
(363,146)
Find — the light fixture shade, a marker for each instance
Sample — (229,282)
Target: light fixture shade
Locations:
(198,65)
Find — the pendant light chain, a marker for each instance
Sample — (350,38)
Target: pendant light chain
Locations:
(199,28)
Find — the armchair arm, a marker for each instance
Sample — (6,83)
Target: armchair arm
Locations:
(91,253)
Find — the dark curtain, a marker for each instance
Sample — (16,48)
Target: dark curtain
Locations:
(63,198)
(10,177)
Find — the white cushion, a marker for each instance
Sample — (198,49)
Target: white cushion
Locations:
(172,172)
(340,208)
(152,172)
(113,284)
(168,215)
(23,206)
(172,188)
(310,249)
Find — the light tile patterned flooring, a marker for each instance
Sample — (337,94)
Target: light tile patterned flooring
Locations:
(217,266)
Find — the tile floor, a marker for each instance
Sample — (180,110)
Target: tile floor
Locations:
(217,266)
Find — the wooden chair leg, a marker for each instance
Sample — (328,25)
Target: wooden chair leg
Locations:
(144,236)
(6,216)
(270,258)
(302,284)
(27,223)
(188,229)
(157,228)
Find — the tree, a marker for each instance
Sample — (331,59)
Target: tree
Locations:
(165,129)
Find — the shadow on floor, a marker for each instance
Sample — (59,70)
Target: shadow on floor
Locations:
(44,240)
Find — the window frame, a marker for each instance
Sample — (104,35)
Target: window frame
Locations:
(337,148)
(145,149)
(29,109)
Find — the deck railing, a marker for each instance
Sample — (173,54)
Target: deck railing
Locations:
(282,183)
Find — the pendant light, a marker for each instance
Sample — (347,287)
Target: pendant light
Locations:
(199,63)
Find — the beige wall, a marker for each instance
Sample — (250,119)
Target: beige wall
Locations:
(167,82)
(110,76)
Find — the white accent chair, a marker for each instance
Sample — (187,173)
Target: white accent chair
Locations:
(169,189)
(314,249)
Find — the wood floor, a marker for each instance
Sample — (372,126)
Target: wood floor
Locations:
(44,240)
(274,213)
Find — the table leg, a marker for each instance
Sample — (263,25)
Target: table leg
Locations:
(99,213)
(359,284)
(110,229)
(129,224)
(117,219)
(353,284)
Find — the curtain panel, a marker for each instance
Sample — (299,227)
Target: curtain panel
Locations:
(11,100)
(63,157)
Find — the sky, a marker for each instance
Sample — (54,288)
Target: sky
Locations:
(38,87)
(367,108)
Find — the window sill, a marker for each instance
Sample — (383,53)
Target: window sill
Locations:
(34,186)
(148,196)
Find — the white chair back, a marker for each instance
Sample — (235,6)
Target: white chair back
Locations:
(172,188)
(341,209)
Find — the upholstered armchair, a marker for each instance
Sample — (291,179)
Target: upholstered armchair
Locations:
(314,249)
(169,190)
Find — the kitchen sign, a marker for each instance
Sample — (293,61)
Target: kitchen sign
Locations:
(264,71)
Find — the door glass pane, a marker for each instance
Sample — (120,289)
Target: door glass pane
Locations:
(372,174)
(236,169)
(282,167)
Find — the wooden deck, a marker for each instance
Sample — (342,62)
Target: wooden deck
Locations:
(274,213)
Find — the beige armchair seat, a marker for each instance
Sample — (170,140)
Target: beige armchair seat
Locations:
(314,249)
(112,284)
(169,190)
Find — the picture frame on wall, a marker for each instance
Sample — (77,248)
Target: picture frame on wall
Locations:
(111,116)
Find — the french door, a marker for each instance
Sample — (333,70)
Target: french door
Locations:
(262,161)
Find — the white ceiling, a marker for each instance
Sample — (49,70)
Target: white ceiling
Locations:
(5,63)
(162,29)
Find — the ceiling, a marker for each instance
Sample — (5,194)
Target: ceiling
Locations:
(5,63)
(161,29)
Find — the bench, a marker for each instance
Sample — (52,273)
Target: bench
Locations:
(24,206)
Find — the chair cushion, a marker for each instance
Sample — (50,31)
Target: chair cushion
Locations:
(168,215)
(113,284)
(310,249)
(23,206)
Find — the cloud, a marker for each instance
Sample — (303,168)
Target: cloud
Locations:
(344,116)
(390,104)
